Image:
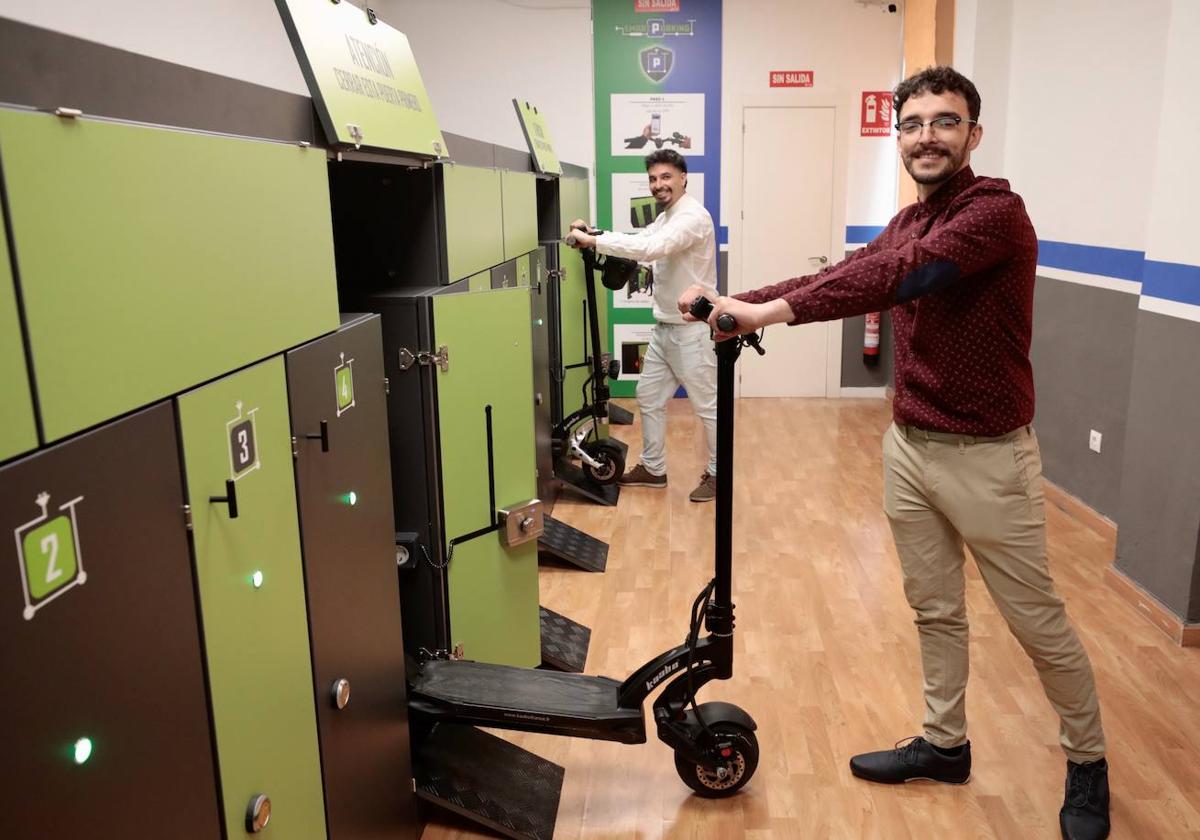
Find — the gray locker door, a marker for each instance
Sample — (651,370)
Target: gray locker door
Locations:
(101,642)
(345,495)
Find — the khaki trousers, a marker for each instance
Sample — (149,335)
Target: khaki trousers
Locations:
(942,490)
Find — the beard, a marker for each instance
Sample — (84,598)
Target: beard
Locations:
(941,169)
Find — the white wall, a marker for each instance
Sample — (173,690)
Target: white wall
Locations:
(850,49)
(1175,200)
(477,55)
(474,55)
(1085,98)
(243,39)
(982,46)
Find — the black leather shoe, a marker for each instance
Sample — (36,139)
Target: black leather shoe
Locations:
(1084,814)
(916,759)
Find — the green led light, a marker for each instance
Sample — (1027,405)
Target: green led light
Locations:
(83,750)
(257,579)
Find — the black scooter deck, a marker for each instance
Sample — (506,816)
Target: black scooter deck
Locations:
(489,780)
(504,697)
(573,546)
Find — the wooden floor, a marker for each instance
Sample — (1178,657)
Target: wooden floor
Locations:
(826,657)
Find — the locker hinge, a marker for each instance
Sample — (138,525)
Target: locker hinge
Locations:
(423,357)
(68,113)
(295,447)
(414,785)
(187,516)
(554,274)
(387,386)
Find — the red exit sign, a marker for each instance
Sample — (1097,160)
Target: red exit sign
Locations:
(656,5)
(791,78)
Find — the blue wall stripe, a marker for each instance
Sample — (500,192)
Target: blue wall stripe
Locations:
(862,234)
(1173,281)
(1090,259)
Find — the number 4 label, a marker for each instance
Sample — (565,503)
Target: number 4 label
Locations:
(343,383)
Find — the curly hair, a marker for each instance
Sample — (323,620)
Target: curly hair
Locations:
(937,80)
(668,156)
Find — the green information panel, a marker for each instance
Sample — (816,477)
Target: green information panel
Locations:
(252,601)
(493,590)
(17,431)
(362,77)
(537,135)
(152,260)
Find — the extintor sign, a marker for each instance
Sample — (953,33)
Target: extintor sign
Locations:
(876,113)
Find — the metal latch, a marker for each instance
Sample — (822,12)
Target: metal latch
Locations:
(356,133)
(423,357)
(521,523)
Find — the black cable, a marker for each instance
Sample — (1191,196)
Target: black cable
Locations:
(693,637)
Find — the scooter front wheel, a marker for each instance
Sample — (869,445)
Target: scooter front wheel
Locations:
(610,458)
(736,763)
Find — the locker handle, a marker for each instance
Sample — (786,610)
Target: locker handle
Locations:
(230,497)
(323,436)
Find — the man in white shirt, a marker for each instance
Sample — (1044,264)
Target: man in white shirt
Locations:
(681,243)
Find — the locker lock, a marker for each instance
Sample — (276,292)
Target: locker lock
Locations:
(258,813)
(340,691)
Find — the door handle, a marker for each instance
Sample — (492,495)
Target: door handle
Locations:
(323,436)
(230,497)
(821,260)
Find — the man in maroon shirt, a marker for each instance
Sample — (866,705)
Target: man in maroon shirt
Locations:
(961,462)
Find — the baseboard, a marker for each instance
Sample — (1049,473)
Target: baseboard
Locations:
(1184,635)
(875,393)
(1081,512)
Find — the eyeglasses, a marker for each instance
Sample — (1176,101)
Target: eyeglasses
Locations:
(939,126)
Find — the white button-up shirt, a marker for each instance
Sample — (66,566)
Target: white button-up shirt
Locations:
(682,245)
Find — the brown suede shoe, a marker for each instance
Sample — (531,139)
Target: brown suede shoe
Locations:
(639,476)
(706,490)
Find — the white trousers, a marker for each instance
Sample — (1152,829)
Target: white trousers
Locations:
(679,354)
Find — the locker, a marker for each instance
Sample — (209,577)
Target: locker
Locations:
(343,483)
(241,488)
(106,728)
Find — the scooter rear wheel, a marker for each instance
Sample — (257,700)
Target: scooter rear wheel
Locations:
(612,462)
(734,769)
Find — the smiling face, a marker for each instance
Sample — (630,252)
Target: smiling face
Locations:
(667,183)
(934,155)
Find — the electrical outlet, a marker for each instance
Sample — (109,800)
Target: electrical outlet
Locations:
(1094,441)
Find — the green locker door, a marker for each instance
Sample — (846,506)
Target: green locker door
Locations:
(252,599)
(17,431)
(493,590)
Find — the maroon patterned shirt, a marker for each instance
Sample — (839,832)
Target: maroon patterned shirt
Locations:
(957,273)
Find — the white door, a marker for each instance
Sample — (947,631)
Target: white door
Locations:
(787,214)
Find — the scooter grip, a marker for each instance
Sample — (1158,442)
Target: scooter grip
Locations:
(702,308)
(570,237)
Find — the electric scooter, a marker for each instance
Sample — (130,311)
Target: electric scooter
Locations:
(716,750)
(577,435)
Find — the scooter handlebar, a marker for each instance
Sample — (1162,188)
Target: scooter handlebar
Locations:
(570,237)
(702,308)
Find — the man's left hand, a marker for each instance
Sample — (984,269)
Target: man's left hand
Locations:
(582,239)
(750,317)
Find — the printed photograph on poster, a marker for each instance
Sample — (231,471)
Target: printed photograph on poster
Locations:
(630,342)
(633,208)
(643,122)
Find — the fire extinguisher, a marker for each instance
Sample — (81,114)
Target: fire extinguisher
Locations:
(871,340)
